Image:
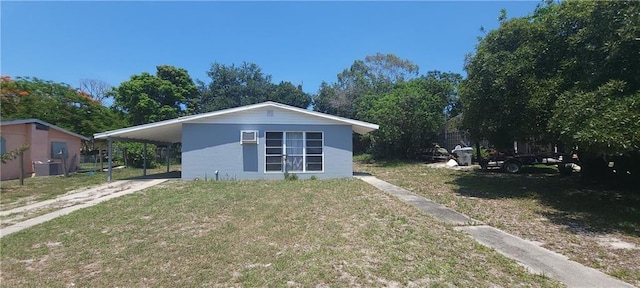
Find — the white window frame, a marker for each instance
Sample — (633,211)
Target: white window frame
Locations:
(255,132)
(304,151)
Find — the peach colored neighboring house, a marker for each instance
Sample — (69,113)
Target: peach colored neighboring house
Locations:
(46,141)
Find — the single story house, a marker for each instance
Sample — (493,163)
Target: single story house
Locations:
(48,144)
(260,141)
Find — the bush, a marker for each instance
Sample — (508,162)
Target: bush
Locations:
(134,154)
(290,176)
(363,158)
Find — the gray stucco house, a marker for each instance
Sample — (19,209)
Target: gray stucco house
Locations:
(259,141)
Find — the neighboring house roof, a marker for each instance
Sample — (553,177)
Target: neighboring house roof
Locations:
(36,121)
(170,131)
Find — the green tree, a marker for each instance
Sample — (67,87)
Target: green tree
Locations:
(55,103)
(234,86)
(147,98)
(287,93)
(375,75)
(411,115)
(568,72)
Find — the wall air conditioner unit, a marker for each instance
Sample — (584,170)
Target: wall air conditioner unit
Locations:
(248,137)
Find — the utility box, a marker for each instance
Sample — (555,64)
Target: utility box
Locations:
(464,154)
(48,168)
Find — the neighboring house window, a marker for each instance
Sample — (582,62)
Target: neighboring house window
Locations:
(57,148)
(304,151)
(3,146)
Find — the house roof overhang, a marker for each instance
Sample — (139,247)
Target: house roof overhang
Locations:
(170,131)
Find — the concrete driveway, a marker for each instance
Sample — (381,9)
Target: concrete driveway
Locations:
(26,216)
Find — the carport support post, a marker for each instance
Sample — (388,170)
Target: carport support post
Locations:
(144,159)
(110,155)
(168,154)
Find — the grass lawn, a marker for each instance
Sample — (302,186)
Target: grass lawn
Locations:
(590,225)
(323,233)
(43,188)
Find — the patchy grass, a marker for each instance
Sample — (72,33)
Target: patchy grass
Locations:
(596,226)
(254,233)
(42,188)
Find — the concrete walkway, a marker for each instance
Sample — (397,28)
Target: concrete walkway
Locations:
(70,202)
(535,258)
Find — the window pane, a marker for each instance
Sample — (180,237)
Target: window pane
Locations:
(58,149)
(314,163)
(276,151)
(294,143)
(314,143)
(274,159)
(274,142)
(274,167)
(274,147)
(274,163)
(314,167)
(314,159)
(3,146)
(314,150)
(273,135)
(314,135)
(294,163)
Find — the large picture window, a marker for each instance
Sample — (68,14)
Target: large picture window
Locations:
(303,152)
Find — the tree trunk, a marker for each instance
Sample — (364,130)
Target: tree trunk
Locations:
(21,168)
(64,166)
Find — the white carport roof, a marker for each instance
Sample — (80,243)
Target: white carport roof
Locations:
(170,131)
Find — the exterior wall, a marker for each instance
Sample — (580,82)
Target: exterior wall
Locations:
(15,136)
(39,148)
(74,145)
(210,147)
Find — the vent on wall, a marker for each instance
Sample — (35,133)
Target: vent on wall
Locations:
(269,113)
(248,137)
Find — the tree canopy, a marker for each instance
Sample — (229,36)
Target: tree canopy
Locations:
(55,103)
(147,98)
(386,89)
(410,116)
(234,86)
(568,72)
(376,74)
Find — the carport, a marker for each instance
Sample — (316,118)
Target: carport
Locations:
(163,133)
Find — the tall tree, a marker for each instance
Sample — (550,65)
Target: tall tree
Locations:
(56,103)
(376,74)
(96,88)
(569,72)
(234,86)
(147,98)
(287,93)
(411,115)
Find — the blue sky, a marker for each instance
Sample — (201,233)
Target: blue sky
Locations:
(302,42)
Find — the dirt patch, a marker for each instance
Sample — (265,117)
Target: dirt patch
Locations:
(613,242)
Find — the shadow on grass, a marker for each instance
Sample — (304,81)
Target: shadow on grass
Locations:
(389,163)
(166,175)
(580,207)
